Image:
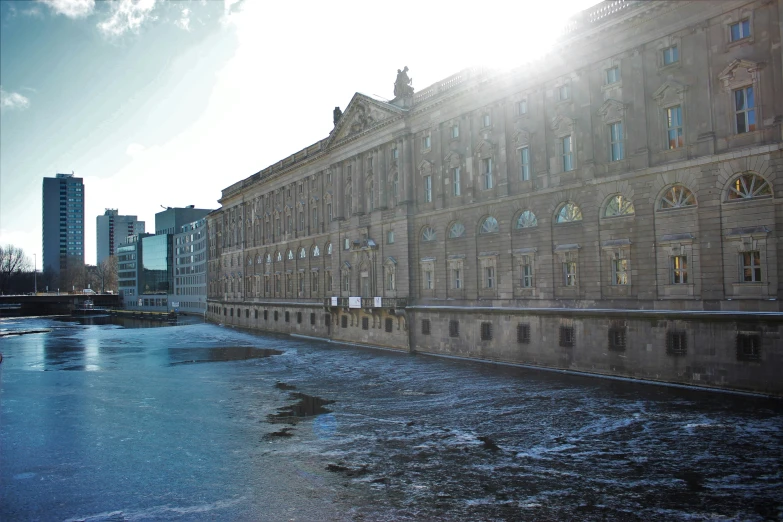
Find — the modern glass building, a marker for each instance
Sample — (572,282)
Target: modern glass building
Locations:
(156,270)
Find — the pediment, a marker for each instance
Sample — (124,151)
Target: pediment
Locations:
(362,113)
(562,125)
(425,168)
(453,160)
(612,110)
(522,137)
(390,262)
(484,147)
(669,92)
(740,72)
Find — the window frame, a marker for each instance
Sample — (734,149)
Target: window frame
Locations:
(756,276)
(616,141)
(742,25)
(567,156)
(673,51)
(524,163)
(746,110)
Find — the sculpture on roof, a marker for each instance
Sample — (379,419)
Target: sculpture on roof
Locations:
(337,114)
(403,85)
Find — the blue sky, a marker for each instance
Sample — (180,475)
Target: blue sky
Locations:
(167,102)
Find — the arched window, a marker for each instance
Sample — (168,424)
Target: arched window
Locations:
(676,196)
(269,258)
(258,259)
(316,251)
(526,220)
(249,261)
(489,226)
(279,256)
(428,234)
(302,253)
(619,205)
(328,249)
(290,254)
(748,186)
(457,230)
(568,213)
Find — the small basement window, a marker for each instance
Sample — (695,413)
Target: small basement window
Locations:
(389,325)
(523,333)
(453,328)
(748,347)
(676,343)
(365,323)
(344,321)
(486,331)
(567,336)
(425,326)
(617,339)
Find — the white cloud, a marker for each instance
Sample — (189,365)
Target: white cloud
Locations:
(134,150)
(71,8)
(127,15)
(34,11)
(12,100)
(184,22)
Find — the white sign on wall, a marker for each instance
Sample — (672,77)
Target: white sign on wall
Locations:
(378,302)
(354,302)
(334,301)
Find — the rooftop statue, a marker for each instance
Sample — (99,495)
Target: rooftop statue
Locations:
(337,114)
(403,85)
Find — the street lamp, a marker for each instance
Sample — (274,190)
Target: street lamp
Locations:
(35,274)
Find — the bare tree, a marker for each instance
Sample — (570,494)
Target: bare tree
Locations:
(106,274)
(74,277)
(12,261)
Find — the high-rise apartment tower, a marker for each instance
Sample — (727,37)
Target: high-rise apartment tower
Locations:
(112,229)
(63,222)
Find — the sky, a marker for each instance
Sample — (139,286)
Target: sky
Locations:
(165,103)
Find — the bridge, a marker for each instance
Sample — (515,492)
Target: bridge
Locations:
(53,304)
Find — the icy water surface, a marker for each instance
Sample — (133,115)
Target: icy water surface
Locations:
(201,422)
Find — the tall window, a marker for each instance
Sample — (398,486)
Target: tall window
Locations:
(328,281)
(674,127)
(290,224)
(564,92)
(456,278)
(487,120)
(526,272)
(426,142)
(394,153)
(489,277)
(524,160)
(346,282)
(314,282)
(390,237)
(428,279)
(389,279)
(428,188)
(615,141)
(740,30)
(279,228)
(750,264)
(745,110)
(329,212)
(301,220)
(671,55)
(569,273)
(612,75)
(619,269)
(315,218)
(522,107)
(679,270)
(567,153)
(486,170)
(455,181)
(454,131)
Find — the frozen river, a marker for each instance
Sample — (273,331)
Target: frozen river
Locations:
(202,422)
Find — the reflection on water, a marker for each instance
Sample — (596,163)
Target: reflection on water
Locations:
(230,353)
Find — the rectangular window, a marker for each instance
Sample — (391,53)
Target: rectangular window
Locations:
(279,229)
(389,326)
(394,154)
(456,278)
(428,279)
(750,263)
(301,221)
(454,131)
(329,177)
(346,244)
(425,142)
(455,175)
(425,327)
(486,170)
(390,237)
(619,269)
(489,277)
(290,225)
(314,282)
(567,336)
(329,212)
(671,55)
(748,347)
(676,343)
(569,273)
(522,107)
(427,189)
(674,127)
(315,218)
(617,339)
(453,328)
(487,120)
(524,161)
(526,272)
(390,280)
(679,270)
(312,319)
(615,141)
(523,333)
(745,110)
(365,323)
(567,153)
(564,92)
(740,30)
(301,188)
(328,281)
(486,331)
(344,321)
(301,284)
(346,283)
(288,317)
(612,75)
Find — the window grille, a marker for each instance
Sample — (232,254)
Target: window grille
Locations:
(312,319)
(567,336)
(617,339)
(365,323)
(425,326)
(288,317)
(453,328)
(523,333)
(486,331)
(389,325)
(344,321)
(298,317)
(676,343)
(748,347)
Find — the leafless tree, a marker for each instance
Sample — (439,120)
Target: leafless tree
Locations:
(12,261)
(106,274)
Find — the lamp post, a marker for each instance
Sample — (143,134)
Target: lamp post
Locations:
(35,274)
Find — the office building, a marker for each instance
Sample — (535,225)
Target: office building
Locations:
(62,222)
(112,229)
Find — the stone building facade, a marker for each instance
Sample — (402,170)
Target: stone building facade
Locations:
(610,208)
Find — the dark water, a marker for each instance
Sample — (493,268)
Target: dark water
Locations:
(200,422)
